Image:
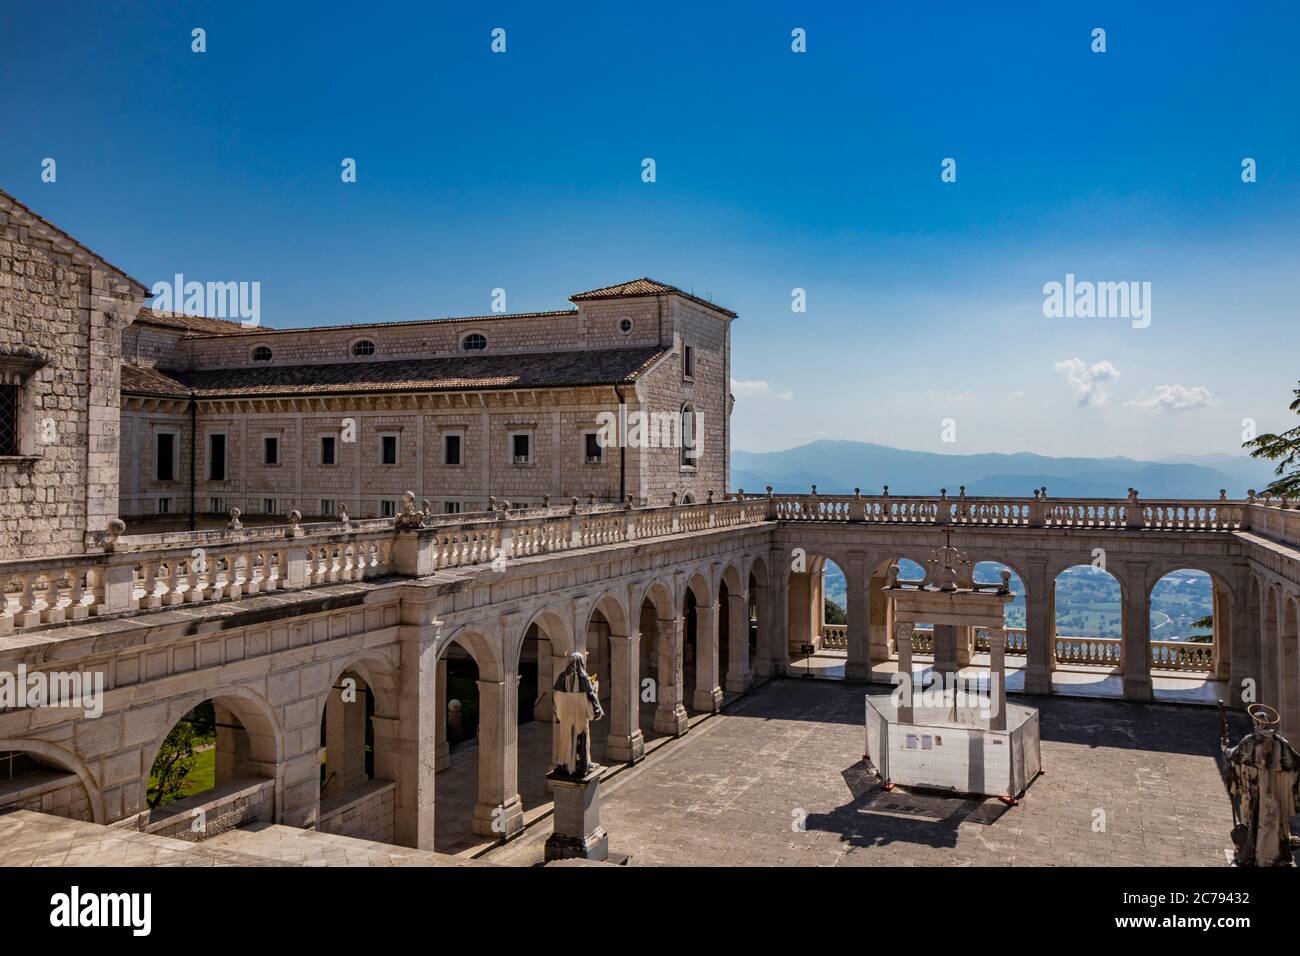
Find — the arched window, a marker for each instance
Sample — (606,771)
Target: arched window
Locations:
(363,348)
(261,354)
(474,342)
(690,437)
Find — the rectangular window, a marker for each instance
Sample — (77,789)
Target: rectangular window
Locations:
(388,449)
(327,507)
(388,508)
(217,506)
(451,450)
(271,450)
(327,449)
(8,419)
(451,507)
(270,506)
(688,361)
(216,458)
(165,456)
(519,448)
(592,452)
(164,506)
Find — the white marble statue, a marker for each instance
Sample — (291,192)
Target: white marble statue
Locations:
(576,705)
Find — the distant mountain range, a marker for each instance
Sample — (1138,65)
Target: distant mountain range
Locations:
(837,467)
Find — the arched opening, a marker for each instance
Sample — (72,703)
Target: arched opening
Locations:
(817,613)
(33,778)
(456,788)
(1014,615)
(880,617)
(701,677)
(1188,619)
(1089,618)
(217,761)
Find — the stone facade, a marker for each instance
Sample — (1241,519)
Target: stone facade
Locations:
(62,312)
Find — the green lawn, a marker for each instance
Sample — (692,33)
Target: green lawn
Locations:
(202,777)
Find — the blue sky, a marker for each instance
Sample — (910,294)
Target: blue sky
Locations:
(775,171)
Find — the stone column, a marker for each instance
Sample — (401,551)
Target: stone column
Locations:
(881,622)
(442,751)
(708,693)
(945,651)
(1223,643)
(1245,639)
(773,661)
(1040,629)
(965,646)
(903,638)
(739,677)
(544,709)
(1136,633)
(858,665)
(499,811)
(670,715)
(406,744)
(345,736)
(997,678)
(626,741)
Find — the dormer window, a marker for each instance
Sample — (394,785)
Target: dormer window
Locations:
(363,348)
(261,354)
(474,342)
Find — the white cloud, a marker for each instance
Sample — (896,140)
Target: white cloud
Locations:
(760,387)
(1090,383)
(1174,398)
(1017,396)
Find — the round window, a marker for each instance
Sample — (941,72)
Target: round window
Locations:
(625,326)
(474,342)
(363,348)
(261,354)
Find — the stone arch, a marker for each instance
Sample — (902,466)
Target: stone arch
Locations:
(479,647)
(1225,604)
(1289,665)
(380,675)
(659,592)
(67,760)
(351,725)
(1087,649)
(612,607)
(261,731)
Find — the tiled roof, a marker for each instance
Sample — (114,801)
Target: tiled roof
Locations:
(195,323)
(137,380)
(453,373)
(644,286)
(387,325)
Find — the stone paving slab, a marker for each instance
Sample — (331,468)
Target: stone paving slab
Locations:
(296,847)
(778,780)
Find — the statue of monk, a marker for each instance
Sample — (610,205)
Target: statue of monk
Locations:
(576,705)
(1262,774)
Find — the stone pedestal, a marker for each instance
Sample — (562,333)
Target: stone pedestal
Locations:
(578,833)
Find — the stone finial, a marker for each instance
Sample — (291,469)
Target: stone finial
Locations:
(573,505)
(886,491)
(672,500)
(1223,494)
(409,518)
(1044,491)
(708,497)
(1132,496)
(892,579)
(627,502)
(943,494)
(235,524)
(116,528)
(492,502)
(295,524)
(546,501)
(591,499)
(857,492)
(1250,495)
(1005,587)
(740,493)
(769,491)
(343,516)
(963,491)
(814,491)
(427,506)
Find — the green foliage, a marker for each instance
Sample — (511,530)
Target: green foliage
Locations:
(175,760)
(835,614)
(1284,448)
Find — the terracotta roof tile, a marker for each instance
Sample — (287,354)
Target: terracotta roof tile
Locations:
(641,287)
(137,380)
(196,323)
(571,369)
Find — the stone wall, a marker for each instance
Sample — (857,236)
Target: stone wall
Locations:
(62,351)
(365,812)
(214,811)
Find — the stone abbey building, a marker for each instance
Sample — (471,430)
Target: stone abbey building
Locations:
(336,636)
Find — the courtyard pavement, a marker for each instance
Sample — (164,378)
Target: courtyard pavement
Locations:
(778,779)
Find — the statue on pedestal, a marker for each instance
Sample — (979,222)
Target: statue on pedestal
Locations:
(577,704)
(1262,774)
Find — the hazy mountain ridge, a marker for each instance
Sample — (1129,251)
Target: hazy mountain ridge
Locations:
(837,467)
